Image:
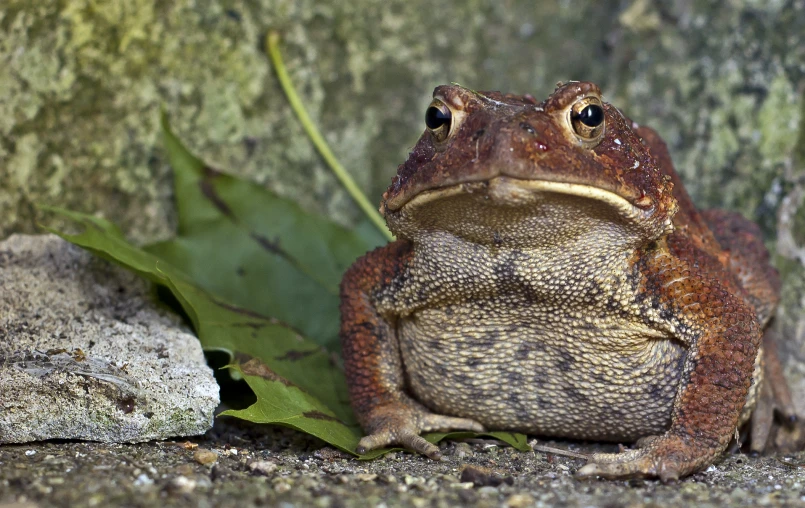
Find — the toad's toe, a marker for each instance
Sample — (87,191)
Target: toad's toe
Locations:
(638,463)
(401,422)
(440,423)
(639,468)
(409,440)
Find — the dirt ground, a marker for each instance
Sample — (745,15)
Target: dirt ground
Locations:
(253,465)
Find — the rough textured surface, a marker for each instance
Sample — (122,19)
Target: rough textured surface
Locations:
(85,355)
(552,276)
(258,466)
(81,83)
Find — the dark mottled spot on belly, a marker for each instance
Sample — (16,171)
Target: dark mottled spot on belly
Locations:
(543,403)
(586,325)
(574,394)
(524,414)
(619,412)
(422,379)
(566,361)
(598,376)
(441,370)
(516,378)
(539,378)
(655,390)
(489,340)
(505,270)
(435,345)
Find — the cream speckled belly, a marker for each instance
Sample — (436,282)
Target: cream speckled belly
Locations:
(536,372)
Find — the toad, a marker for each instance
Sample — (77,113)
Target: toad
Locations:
(552,276)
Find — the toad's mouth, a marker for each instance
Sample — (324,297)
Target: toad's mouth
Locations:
(517,191)
(532,207)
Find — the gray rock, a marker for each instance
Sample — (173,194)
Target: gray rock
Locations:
(84,354)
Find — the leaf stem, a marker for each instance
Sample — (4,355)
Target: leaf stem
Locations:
(272,44)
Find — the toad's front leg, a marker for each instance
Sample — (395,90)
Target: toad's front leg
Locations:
(373,364)
(722,335)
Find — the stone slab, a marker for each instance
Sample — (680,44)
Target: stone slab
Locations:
(86,354)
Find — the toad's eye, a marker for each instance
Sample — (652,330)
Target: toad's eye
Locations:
(438,119)
(588,120)
(592,115)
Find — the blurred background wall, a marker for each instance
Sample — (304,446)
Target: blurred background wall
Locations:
(82,83)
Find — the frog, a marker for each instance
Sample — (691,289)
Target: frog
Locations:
(551,275)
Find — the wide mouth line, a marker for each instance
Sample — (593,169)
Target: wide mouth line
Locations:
(535,185)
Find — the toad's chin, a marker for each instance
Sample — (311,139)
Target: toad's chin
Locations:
(518,212)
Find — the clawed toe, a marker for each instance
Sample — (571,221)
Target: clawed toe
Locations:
(420,445)
(409,440)
(627,470)
(439,423)
(401,423)
(631,464)
(589,471)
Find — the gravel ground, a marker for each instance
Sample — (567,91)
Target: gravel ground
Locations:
(239,464)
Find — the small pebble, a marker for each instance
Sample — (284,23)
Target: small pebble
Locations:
(204,456)
(182,485)
(483,476)
(185,469)
(263,467)
(143,480)
(462,450)
(468,497)
(413,480)
(328,454)
(282,488)
(519,501)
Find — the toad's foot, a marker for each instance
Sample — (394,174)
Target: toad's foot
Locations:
(401,423)
(774,397)
(665,457)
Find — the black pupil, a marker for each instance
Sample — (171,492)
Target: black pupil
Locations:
(435,117)
(592,115)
